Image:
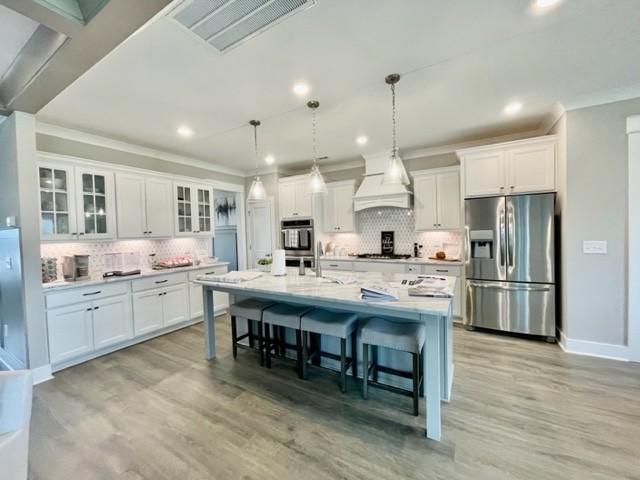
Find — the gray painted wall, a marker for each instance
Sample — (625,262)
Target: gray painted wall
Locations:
(596,209)
(18,180)
(63,146)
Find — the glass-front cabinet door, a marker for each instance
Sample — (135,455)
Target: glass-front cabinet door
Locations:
(194,210)
(95,204)
(57,207)
(184,212)
(204,212)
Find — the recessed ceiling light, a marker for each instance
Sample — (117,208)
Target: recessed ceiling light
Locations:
(269,159)
(185,131)
(362,140)
(513,108)
(301,89)
(545,3)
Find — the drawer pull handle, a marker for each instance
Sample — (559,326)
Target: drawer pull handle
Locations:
(333,265)
(162,281)
(442,271)
(91,293)
(89,309)
(96,308)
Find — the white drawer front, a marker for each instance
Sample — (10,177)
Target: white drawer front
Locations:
(203,271)
(336,265)
(453,270)
(384,267)
(158,281)
(86,294)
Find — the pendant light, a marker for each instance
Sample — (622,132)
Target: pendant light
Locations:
(395,174)
(316,181)
(256,191)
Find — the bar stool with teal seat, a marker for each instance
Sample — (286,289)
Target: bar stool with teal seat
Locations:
(404,337)
(335,324)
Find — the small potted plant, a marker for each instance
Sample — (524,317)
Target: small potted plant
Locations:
(264,263)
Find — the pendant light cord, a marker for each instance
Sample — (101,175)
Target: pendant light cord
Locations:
(394,148)
(313,135)
(255,145)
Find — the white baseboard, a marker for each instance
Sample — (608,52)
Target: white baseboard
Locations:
(593,349)
(42,374)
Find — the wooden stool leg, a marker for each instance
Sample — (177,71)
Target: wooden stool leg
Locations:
(365,369)
(354,355)
(250,332)
(234,337)
(421,377)
(267,339)
(261,342)
(299,353)
(374,361)
(416,376)
(305,354)
(343,365)
(282,336)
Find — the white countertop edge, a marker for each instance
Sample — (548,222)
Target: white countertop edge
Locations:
(411,260)
(64,285)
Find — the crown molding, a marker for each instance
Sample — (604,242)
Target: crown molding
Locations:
(106,142)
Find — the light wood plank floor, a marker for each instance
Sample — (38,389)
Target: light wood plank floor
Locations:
(520,410)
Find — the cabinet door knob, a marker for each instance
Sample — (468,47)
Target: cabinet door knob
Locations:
(501,188)
(512,187)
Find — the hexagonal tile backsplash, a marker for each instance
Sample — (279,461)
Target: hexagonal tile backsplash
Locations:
(97,250)
(369,224)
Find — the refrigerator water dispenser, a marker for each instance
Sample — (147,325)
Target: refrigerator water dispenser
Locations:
(481,243)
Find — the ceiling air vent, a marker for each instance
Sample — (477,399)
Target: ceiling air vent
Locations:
(226,23)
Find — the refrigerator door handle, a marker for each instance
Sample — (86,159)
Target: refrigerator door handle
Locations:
(512,237)
(467,245)
(502,238)
(513,288)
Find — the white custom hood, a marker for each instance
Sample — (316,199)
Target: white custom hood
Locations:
(373,193)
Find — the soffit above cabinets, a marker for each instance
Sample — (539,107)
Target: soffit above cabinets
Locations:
(224,24)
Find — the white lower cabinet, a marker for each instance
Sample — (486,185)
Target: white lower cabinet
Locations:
(70,331)
(175,305)
(112,322)
(85,321)
(147,311)
(160,307)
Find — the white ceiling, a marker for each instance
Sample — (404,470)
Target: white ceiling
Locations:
(461,61)
(15,31)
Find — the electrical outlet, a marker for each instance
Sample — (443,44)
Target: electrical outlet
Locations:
(594,247)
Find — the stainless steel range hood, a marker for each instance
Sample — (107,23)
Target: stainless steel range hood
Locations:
(373,193)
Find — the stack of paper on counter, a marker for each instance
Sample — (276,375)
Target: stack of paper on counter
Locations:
(378,292)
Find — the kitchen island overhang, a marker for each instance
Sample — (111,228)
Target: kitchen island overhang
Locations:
(434,313)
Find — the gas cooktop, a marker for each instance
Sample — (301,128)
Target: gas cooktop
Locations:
(384,256)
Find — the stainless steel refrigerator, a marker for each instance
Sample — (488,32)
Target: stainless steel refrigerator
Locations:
(510,279)
(13,341)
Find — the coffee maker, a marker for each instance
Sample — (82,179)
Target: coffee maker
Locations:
(75,267)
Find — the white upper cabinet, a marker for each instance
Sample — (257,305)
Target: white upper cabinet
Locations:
(193,209)
(523,166)
(484,174)
(57,202)
(294,197)
(338,207)
(96,203)
(437,199)
(144,206)
(159,207)
(531,168)
(75,202)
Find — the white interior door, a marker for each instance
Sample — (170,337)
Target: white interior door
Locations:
(259,219)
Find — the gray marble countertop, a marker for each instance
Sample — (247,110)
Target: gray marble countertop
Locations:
(308,288)
(411,260)
(62,284)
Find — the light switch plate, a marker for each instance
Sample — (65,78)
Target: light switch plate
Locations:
(594,247)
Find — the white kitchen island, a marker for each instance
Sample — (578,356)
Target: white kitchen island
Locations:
(435,313)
